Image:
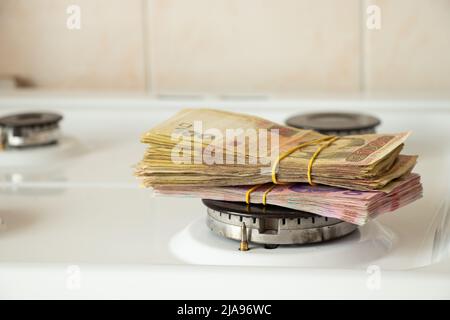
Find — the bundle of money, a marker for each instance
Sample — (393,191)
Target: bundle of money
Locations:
(347,205)
(212,148)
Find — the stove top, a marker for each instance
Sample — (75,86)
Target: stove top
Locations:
(77,203)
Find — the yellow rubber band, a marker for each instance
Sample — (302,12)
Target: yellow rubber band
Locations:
(264,197)
(328,139)
(249,192)
(311,161)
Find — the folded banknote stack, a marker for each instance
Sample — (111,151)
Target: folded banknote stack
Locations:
(212,154)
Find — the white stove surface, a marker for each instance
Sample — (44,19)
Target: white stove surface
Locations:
(76,224)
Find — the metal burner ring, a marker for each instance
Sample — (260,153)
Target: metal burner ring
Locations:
(29,129)
(288,228)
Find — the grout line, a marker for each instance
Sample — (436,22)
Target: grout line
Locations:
(363,47)
(145,47)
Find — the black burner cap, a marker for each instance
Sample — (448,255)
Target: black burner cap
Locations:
(255,210)
(334,122)
(30,119)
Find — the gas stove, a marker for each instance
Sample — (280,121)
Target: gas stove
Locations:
(72,213)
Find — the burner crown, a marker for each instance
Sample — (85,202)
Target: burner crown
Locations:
(29,129)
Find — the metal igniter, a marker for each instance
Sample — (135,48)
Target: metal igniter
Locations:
(244,238)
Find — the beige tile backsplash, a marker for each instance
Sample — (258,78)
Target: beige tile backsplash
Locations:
(105,54)
(254,46)
(227,46)
(411,51)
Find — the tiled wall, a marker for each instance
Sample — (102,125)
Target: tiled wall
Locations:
(227,46)
(107,53)
(411,51)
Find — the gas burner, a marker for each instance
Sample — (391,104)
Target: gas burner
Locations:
(30,129)
(335,123)
(271,225)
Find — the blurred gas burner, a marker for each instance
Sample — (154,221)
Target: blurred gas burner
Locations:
(335,123)
(31,129)
(271,225)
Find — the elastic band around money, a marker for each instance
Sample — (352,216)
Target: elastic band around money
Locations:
(328,140)
(249,192)
(264,197)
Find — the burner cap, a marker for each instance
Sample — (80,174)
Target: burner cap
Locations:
(271,225)
(338,123)
(256,210)
(29,129)
(30,119)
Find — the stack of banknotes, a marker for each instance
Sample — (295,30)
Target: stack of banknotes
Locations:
(213,154)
